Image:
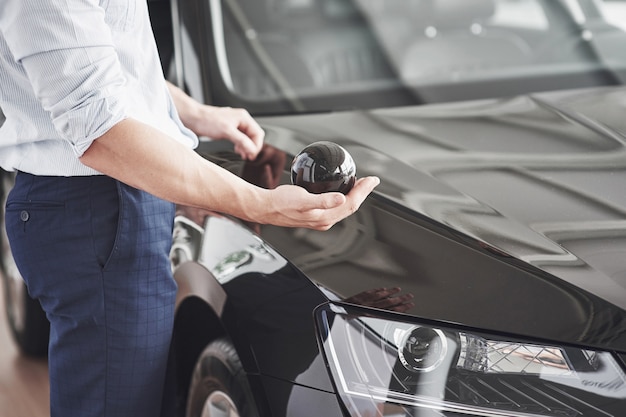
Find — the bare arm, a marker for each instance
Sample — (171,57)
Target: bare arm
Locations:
(236,125)
(167,169)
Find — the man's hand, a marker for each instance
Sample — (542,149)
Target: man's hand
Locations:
(169,170)
(235,125)
(293,206)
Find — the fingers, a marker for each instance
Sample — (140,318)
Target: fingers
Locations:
(335,207)
(247,147)
(248,135)
(362,188)
(353,200)
(293,206)
(233,124)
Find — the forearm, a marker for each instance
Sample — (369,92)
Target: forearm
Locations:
(145,158)
(233,124)
(188,110)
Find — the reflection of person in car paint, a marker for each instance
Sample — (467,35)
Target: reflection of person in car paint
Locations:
(103,146)
(384,298)
(278,326)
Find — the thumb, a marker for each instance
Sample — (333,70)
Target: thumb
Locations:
(330,200)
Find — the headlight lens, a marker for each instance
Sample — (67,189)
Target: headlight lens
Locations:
(383,367)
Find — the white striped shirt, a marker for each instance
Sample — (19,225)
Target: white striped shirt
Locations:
(69,71)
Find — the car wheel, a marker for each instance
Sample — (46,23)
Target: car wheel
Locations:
(27,321)
(218,385)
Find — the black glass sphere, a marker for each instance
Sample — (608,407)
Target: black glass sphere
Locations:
(324,167)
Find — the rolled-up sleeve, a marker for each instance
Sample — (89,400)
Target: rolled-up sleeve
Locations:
(68,54)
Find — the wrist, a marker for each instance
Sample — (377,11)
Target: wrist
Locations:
(189,110)
(262,209)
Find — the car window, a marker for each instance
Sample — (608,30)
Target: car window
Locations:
(332,54)
(614,11)
(520,13)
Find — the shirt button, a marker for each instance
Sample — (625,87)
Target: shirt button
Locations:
(24,216)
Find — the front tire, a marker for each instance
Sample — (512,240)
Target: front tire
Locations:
(218,386)
(27,321)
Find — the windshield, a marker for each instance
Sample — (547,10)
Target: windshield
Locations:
(334,54)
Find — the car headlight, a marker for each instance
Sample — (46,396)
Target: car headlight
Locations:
(384,367)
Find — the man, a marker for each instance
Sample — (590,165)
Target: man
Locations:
(98,139)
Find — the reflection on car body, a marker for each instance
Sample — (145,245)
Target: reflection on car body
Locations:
(484,277)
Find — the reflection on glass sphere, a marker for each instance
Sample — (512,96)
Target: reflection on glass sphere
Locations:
(324,167)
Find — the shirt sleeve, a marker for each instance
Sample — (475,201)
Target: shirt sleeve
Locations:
(68,54)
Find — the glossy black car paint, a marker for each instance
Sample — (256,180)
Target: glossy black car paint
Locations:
(501,215)
(531,219)
(425,230)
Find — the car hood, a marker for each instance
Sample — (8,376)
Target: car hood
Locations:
(534,184)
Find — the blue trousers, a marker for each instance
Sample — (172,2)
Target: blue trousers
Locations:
(95,253)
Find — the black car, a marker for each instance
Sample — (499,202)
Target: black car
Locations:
(498,129)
